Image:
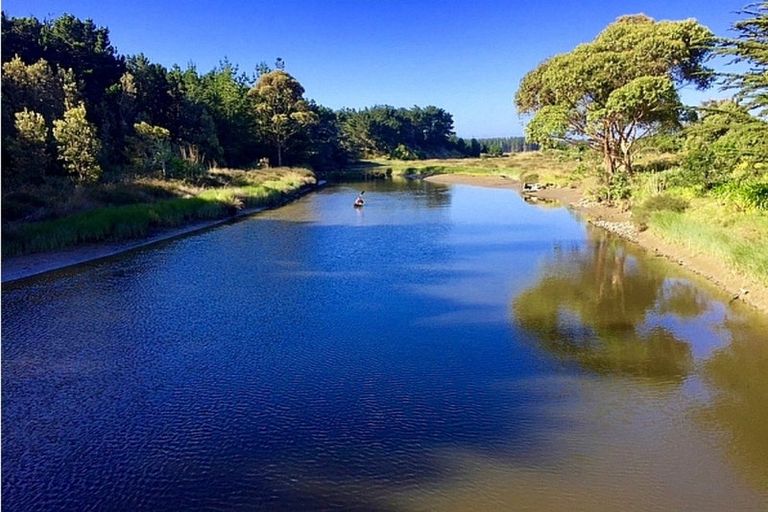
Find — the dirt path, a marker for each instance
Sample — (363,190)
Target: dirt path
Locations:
(712,268)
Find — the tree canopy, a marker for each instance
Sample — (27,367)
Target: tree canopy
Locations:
(750,46)
(618,88)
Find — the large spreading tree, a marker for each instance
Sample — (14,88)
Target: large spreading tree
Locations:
(617,89)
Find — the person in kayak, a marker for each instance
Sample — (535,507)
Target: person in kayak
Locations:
(359,201)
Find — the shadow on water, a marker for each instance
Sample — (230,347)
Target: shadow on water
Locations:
(590,306)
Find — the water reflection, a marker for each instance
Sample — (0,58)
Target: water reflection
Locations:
(591,306)
(311,359)
(738,408)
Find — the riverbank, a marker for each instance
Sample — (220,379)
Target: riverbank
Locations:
(706,264)
(250,200)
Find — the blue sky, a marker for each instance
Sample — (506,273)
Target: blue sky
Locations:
(465,56)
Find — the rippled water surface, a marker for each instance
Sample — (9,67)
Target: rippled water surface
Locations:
(439,349)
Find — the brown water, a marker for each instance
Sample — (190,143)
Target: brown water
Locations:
(439,349)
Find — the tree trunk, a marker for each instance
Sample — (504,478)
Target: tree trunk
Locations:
(279,155)
(608,157)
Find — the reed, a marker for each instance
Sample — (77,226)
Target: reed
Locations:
(126,221)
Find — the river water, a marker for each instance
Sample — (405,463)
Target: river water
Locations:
(442,348)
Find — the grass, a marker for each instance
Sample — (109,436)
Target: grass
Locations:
(729,223)
(738,238)
(544,167)
(642,213)
(223,193)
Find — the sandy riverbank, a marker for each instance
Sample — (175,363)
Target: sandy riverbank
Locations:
(705,265)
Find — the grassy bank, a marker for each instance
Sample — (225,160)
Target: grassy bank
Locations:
(104,216)
(739,239)
(553,167)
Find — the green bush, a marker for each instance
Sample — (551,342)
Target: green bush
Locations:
(403,152)
(747,195)
(658,164)
(662,202)
(618,188)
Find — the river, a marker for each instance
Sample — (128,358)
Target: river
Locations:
(442,348)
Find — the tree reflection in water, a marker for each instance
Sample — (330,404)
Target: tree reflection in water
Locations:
(592,304)
(738,408)
(605,310)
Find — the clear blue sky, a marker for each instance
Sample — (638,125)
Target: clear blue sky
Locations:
(465,56)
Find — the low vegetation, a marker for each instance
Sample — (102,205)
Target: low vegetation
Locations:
(117,212)
(737,238)
(555,167)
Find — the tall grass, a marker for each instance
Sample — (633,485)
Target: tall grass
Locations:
(122,222)
(740,240)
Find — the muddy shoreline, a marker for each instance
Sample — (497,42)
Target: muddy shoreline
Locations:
(739,287)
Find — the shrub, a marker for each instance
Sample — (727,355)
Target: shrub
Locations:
(530,178)
(403,152)
(661,202)
(746,195)
(618,188)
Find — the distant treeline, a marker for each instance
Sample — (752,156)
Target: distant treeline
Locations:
(496,145)
(73,107)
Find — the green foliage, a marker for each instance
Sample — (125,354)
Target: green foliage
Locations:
(32,86)
(225,127)
(616,188)
(745,195)
(549,127)
(28,151)
(617,89)
(657,164)
(403,152)
(280,108)
(494,149)
(323,145)
(726,144)
(670,141)
(506,145)
(380,129)
(663,202)
(750,46)
(78,146)
(151,148)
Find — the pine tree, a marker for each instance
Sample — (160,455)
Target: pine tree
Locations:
(78,145)
(750,46)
